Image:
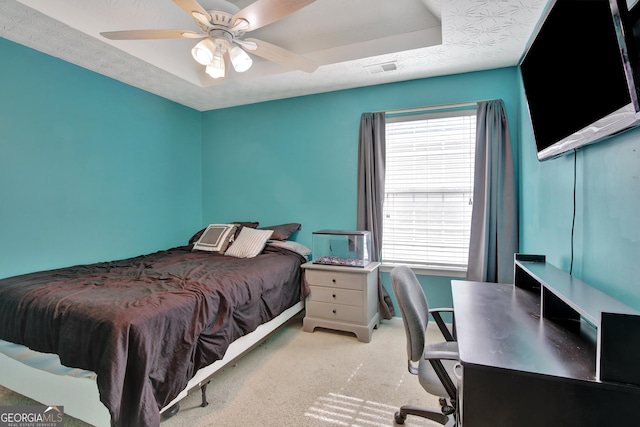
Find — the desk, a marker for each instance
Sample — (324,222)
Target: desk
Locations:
(521,370)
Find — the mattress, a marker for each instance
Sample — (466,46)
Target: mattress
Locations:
(43,361)
(146,325)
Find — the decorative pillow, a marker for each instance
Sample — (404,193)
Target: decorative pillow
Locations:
(282,231)
(238,224)
(292,246)
(196,236)
(241,224)
(249,243)
(215,238)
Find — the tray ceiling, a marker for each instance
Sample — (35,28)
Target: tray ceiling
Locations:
(356,43)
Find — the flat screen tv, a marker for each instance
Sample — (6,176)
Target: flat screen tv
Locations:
(579,74)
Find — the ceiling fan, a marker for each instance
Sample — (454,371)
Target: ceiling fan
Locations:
(222,30)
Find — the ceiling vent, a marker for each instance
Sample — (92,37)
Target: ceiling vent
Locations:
(382,68)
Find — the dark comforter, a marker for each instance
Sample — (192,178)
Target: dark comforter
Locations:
(145,325)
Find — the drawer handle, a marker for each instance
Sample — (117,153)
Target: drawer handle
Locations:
(334,296)
(334,311)
(333,280)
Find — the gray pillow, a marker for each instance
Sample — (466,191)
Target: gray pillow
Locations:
(282,231)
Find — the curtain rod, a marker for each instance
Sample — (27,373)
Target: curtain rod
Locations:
(434,107)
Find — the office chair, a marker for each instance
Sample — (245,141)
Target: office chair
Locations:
(433,363)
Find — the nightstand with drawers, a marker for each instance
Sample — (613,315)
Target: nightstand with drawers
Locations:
(342,298)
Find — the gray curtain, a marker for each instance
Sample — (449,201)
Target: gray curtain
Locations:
(494,218)
(371,164)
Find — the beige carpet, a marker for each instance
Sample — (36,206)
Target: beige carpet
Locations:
(295,378)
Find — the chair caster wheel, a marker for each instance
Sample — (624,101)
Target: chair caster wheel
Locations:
(399,418)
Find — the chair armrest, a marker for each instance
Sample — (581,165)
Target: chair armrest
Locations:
(437,316)
(441,309)
(437,352)
(442,351)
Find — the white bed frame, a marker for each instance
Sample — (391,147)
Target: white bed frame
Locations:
(80,397)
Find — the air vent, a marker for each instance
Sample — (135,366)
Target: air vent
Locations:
(382,68)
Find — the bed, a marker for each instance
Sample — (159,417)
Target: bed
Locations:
(143,331)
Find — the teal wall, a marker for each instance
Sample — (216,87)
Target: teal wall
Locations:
(607,233)
(295,160)
(90,169)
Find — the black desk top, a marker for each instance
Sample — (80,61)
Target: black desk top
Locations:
(499,326)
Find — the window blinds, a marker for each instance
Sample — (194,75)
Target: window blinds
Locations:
(428,189)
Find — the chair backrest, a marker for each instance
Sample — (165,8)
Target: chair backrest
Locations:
(413,308)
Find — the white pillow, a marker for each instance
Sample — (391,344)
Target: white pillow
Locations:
(215,238)
(292,246)
(249,243)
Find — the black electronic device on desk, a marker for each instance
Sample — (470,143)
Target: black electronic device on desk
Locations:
(549,350)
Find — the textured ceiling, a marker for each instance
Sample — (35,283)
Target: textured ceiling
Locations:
(349,39)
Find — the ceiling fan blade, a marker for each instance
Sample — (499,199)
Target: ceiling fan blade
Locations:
(282,56)
(264,12)
(151,34)
(191,7)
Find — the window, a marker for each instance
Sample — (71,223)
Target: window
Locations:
(429,189)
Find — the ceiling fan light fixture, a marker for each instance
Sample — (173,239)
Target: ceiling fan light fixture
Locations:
(240,60)
(216,69)
(222,25)
(203,52)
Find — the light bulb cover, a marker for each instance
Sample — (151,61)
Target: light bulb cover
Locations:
(203,51)
(240,59)
(216,69)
